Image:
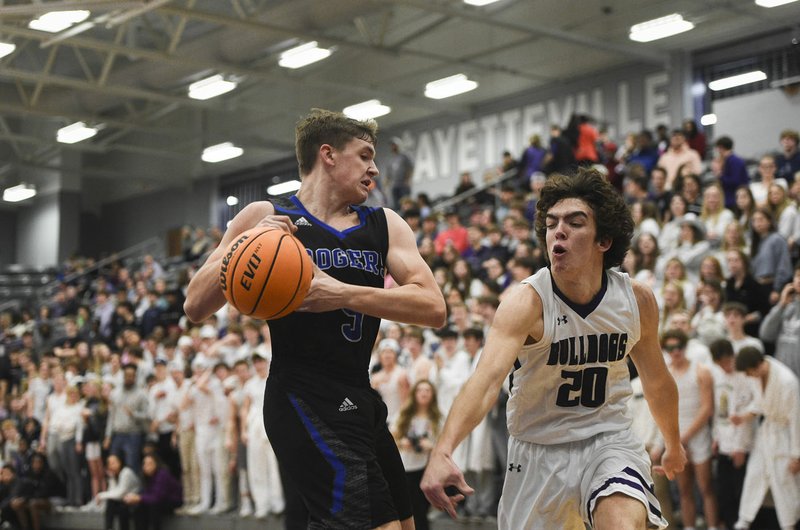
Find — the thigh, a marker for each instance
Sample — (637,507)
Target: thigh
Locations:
(330,454)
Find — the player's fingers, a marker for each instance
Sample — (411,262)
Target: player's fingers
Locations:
(463,487)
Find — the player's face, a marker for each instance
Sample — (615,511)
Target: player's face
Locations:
(571,236)
(356,167)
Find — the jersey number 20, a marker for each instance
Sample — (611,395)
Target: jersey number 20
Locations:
(590,385)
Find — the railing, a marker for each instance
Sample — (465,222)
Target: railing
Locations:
(461,197)
(135,249)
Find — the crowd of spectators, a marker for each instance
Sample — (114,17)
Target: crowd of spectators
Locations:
(110,399)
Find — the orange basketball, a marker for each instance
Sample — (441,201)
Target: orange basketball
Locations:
(266,273)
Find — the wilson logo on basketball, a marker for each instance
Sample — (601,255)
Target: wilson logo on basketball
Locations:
(223,278)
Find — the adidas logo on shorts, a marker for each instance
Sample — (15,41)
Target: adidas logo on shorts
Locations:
(347,405)
(302,222)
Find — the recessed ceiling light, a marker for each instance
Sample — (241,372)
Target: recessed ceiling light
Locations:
(77,132)
(221,152)
(367,110)
(20,192)
(284,187)
(659,28)
(6,48)
(449,86)
(773,3)
(708,119)
(211,87)
(737,80)
(303,55)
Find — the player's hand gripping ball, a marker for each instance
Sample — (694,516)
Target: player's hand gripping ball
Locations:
(266,273)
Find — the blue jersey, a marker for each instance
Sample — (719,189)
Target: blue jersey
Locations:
(335,344)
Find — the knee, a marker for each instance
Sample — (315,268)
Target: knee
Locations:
(619,512)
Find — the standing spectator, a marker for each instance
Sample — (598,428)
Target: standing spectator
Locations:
(94,413)
(233,441)
(531,161)
(733,172)
(265,480)
(782,325)
(121,481)
(163,416)
(586,144)
(645,152)
(415,432)
(679,154)
(766,170)
(733,393)
(560,157)
(695,137)
(742,287)
(419,365)
(185,436)
(695,408)
(67,428)
(774,464)
(127,417)
(49,442)
(399,171)
(160,495)
(735,313)
(391,381)
(770,260)
(658,193)
(788,161)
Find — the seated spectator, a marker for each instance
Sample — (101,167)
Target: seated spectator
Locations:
(679,153)
(692,247)
(34,496)
(9,484)
(782,325)
(160,495)
(690,187)
(391,381)
(784,210)
(788,161)
(745,206)
(121,481)
(766,172)
(708,321)
(714,215)
(669,238)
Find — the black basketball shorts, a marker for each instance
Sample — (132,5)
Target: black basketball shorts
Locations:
(333,444)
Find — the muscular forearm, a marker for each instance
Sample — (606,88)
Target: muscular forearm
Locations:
(203,296)
(663,403)
(473,403)
(410,304)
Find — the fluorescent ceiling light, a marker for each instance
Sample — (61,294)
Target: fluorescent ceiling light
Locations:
(480,2)
(220,152)
(211,87)
(708,119)
(20,192)
(449,86)
(737,80)
(77,132)
(6,48)
(303,55)
(284,187)
(778,83)
(773,3)
(367,110)
(659,28)
(56,21)
(232,200)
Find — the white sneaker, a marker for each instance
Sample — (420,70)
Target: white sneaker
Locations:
(261,514)
(197,509)
(247,508)
(216,510)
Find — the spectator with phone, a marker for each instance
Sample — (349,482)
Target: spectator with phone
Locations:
(782,325)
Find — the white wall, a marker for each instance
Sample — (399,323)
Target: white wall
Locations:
(38,231)
(755,121)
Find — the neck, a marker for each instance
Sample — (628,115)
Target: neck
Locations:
(736,334)
(579,287)
(322,199)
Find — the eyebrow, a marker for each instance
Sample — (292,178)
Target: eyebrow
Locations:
(568,216)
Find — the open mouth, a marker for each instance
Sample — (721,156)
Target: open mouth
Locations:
(558,250)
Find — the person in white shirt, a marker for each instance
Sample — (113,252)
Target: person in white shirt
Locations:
(162,425)
(262,465)
(48,441)
(733,393)
(185,436)
(735,313)
(67,429)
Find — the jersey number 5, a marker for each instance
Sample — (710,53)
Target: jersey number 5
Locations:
(590,384)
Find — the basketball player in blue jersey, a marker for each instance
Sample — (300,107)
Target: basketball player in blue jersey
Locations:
(326,424)
(564,335)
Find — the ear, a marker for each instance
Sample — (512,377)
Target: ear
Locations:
(327,154)
(605,244)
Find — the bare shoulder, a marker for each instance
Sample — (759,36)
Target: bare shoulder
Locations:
(645,298)
(256,210)
(521,308)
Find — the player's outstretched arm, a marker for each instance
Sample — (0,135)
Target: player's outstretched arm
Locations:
(416,300)
(204,296)
(659,387)
(517,318)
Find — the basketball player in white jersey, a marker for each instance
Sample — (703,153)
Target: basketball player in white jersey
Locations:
(566,331)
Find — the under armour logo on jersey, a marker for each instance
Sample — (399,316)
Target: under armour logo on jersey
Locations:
(347,404)
(561,320)
(515,467)
(302,222)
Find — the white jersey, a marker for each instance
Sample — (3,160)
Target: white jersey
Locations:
(574,382)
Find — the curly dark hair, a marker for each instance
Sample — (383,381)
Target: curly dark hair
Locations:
(612,216)
(327,127)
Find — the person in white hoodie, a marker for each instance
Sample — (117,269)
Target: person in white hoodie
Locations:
(121,481)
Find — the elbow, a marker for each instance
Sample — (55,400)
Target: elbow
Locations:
(438,314)
(193,311)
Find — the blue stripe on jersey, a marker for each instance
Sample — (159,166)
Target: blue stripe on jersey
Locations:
(284,210)
(328,454)
(362,216)
(617,480)
(632,472)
